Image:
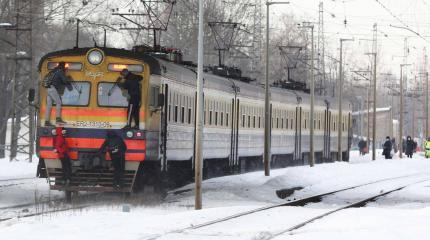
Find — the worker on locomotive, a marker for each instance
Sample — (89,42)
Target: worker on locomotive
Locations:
(55,82)
(131,83)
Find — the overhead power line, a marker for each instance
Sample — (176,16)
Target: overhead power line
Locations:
(392,14)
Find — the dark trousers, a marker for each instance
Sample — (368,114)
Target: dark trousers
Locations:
(118,162)
(66,166)
(133,111)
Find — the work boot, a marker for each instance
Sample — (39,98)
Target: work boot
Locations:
(60,121)
(48,124)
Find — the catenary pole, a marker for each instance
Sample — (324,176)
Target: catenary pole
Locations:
(312,124)
(374,93)
(199,115)
(267,117)
(339,117)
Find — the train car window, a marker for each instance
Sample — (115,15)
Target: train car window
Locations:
(277,122)
(110,95)
(305,124)
(210,118)
(169,112)
(216,118)
(176,114)
(249,121)
(226,119)
(71,66)
(243,120)
(189,115)
(253,122)
(282,123)
(222,119)
(319,124)
(182,114)
(79,95)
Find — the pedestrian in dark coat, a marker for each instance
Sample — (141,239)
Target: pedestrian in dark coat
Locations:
(115,146)
(131,83)
(61,148)
(387,148)
(410,145)
(361,146)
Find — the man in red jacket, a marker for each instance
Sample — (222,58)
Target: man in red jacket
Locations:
(62,149)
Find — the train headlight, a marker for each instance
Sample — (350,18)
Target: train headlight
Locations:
(54,132)
(129,134)
(95,57)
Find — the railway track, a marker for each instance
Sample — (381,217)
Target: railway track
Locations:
(299,202)
(16,179)
(357,204)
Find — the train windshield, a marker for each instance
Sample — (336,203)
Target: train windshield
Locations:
(110,95)
(77,95)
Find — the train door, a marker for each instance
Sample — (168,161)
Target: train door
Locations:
(163,128)
(298,135)
(349,137)
(326,138)
(234,153)
(233,133)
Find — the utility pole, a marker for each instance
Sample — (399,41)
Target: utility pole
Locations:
(426,111)
(22,115)
(339,117)
(267,117)
(427,103)
(401,111)
(199,115)
(312,88)
(321,51)
(375,49)
(312,121)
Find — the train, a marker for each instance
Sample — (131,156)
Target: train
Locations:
(161,151)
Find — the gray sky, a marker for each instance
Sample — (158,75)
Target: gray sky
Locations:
(360,15)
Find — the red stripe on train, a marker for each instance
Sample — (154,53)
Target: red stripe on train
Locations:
(47,154)
(91,143)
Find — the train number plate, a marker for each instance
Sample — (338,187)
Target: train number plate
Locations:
(92,124)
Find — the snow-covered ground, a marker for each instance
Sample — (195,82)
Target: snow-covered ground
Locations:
(401,215)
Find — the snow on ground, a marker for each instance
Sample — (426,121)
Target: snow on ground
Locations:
(401,215)
(25,188)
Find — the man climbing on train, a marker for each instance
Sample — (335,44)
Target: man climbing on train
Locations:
(131,82)
(55,82)
(116,148)
(61,148)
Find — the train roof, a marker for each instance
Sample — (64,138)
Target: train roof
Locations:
(116,52)
(188,75)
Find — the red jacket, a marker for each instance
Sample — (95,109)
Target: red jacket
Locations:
(60,143)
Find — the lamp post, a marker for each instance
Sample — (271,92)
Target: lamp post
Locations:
(267,118)
(401,111)
(339,117)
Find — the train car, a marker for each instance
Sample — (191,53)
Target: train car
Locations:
(161,151)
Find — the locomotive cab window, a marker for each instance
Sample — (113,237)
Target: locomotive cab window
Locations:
(78,95)
(153,96)
(110,95)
